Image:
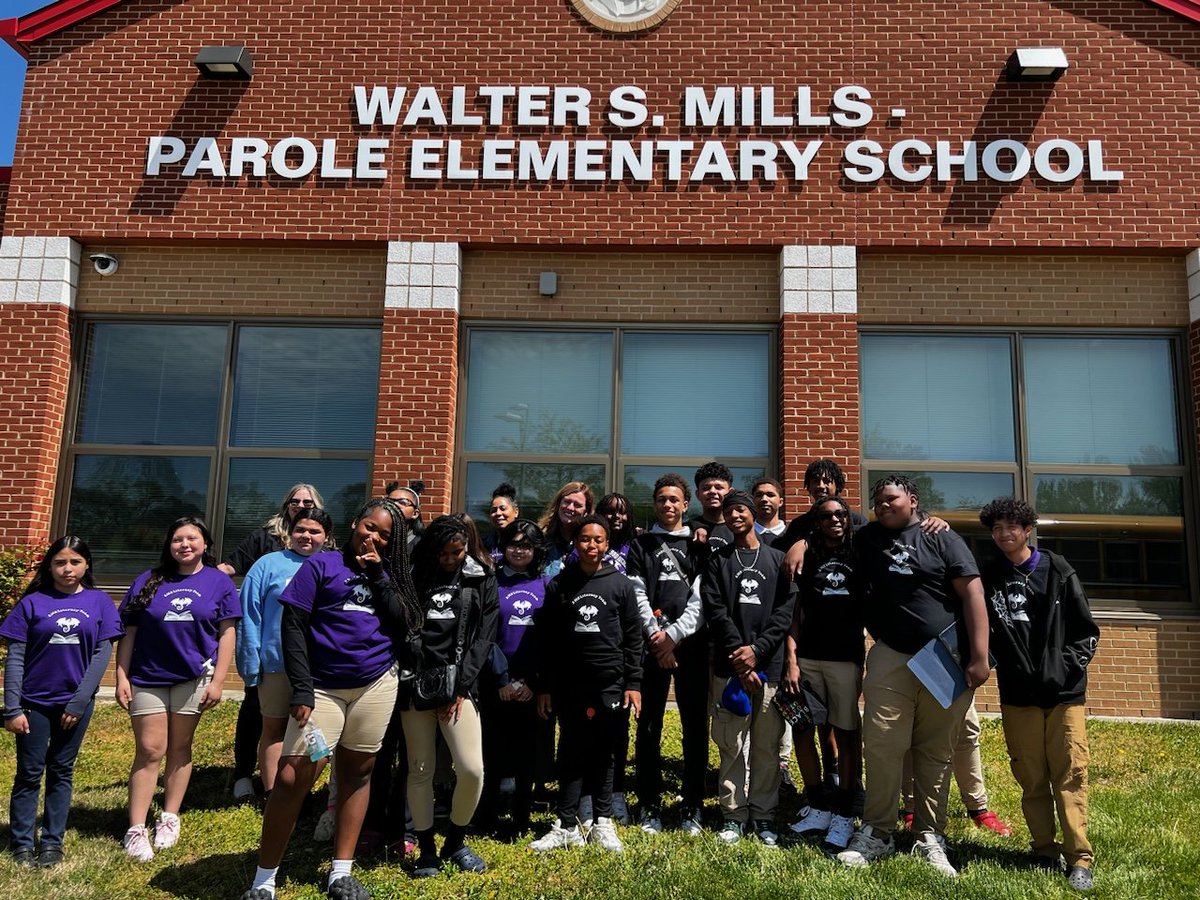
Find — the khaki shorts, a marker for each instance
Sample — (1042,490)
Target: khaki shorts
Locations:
(839,684)
(354,718)
(182,698)
(275,695)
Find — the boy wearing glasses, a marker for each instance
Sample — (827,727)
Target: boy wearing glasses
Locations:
(1043,637)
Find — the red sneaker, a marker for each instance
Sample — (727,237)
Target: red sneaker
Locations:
(989,820)
(905,820)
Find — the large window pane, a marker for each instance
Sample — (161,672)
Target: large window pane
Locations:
(152,384)
(952,491)
(1108,495)
(536,484)
(937,397)
(539,392)
(1100,400)
(305,387)
(639,487)
(666,412)
(257,486)
(122,505)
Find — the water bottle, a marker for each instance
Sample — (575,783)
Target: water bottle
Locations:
(314,739)
(660,619)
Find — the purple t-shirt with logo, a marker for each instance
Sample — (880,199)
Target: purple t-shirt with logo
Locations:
(521,596)
(346,645)
(60,633)
(177,633)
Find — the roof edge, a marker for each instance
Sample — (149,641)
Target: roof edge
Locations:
(23,31)
(1189,9)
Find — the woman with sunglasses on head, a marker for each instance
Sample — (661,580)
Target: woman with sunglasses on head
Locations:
(825,649)
(60,636)
(457,594)
(572,502)
(179,620)
(259,637)
(270,537)
(345,614)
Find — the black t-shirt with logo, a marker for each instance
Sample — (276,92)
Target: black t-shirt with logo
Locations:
(439,633)
(911,599)
(832,606)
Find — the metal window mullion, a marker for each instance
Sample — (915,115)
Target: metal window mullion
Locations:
(218,501)
(614,446)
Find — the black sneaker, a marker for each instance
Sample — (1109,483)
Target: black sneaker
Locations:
(427,866)
(25,858)
(257,894)
(347,888)
(49,857)
(1080,878)
(467,860)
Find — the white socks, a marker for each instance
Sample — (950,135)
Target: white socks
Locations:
(341,868)
(264,879)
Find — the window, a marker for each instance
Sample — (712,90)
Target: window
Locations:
(614,407)
(216,420)
(1087,427)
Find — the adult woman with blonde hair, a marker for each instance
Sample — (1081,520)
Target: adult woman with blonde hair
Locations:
(572,502)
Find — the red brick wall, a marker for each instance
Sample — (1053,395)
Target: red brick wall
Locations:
(4,183)
(34,371)
(418,392)
(1133,77)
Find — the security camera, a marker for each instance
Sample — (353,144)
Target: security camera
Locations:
(104,263)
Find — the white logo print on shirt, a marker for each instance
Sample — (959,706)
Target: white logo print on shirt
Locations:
(521,617)
(901,557)
(587,609)
(748,591)
(835,580)
(359,600)
(179,611)
(441,608)
(67,624)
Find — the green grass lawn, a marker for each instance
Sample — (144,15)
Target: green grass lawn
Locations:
(1145,805)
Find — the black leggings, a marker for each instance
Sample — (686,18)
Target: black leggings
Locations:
(586,746)
(245,737)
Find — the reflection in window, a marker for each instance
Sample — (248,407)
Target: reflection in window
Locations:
(1108,495)
(122,505)
(152,384)
(639,488)
(536,485)
(948,491)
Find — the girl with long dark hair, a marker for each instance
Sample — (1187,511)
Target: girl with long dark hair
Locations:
(60,637)
(179,622)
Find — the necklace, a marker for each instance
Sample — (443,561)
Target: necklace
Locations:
(753,562)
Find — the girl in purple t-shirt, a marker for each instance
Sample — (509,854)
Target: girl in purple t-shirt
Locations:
(179,622)
(60,637)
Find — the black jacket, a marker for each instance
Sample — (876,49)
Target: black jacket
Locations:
(1046,664)
(481,606)
(745,606)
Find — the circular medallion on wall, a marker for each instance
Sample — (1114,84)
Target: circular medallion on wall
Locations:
(623,16)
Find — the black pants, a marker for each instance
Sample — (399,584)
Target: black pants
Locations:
(586,746)
(691,696)
(245,737)
(50,750)
(512,731)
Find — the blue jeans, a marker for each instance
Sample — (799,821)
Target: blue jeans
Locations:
(51,749)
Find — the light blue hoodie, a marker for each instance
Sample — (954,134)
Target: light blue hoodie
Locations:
(259,646)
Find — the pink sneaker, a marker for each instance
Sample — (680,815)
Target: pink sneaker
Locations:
(137,844)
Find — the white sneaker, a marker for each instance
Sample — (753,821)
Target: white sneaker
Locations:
(137,844)
(325,825)
(650,822)
(604,833)
(691,825)
(766,833)
(838,837)
(865,847)
(166,831)
(243,790)
(585,811)
(812,821)
(620,809)
(932,849)
(558,838)
(731,832)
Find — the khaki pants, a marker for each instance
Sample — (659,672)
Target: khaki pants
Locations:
(901,715)
(1048,752)
(762,730)
(967,766)
(464,739)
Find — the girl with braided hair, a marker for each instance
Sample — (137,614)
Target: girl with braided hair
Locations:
(346,615)
(179,622)
(457,592)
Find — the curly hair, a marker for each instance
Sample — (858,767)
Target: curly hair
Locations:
(675,480)
(825,468)
(713,469)
(1009,509)
(903,482)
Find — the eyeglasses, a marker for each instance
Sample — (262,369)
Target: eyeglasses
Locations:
(307,504)
(520,548)
(404,503)
(826,516)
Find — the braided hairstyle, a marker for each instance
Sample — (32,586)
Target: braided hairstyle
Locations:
(438,534)
(905,484)
(395,597)
(167,564)
(844,550)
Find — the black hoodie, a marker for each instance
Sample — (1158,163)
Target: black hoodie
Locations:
(1043,633)
(748,601)
(589,637)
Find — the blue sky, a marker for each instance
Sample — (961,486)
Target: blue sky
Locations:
(12,79)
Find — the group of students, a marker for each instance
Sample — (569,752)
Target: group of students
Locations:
(413,636)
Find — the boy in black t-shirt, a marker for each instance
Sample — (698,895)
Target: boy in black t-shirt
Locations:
(919,585)
(1043,637)
(748,605)
(713,482)
(664,573)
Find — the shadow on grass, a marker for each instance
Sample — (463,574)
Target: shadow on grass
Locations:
(98,821)
(227,875)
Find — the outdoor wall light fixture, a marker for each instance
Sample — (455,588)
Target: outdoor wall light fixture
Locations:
(548,284)
(1036,64)
(225,62)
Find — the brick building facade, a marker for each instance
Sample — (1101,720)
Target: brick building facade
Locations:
(828,258)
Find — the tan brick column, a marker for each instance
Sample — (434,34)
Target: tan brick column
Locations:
(418,370)
(818,365)
(38,281)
